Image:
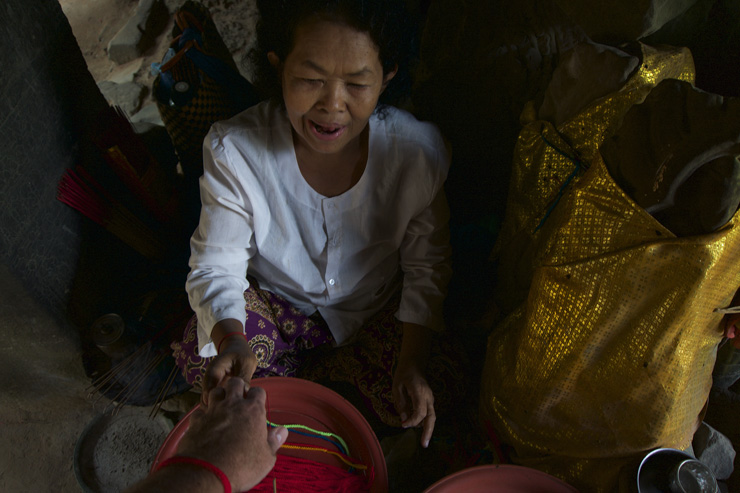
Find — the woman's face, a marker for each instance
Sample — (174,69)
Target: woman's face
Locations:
(331,83)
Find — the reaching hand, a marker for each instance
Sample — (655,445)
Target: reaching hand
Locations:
(231,433)
(235,359)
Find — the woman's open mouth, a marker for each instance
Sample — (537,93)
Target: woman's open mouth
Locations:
(328,131)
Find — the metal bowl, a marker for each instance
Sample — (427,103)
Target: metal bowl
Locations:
(658,471)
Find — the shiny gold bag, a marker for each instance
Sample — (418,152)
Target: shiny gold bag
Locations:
(610,334)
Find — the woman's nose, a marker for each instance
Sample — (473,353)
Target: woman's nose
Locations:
(333,97)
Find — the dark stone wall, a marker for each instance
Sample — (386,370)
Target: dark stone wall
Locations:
(46,97)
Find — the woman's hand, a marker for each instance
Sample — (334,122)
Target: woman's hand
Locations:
(414,401)
(235,358)
(411,392)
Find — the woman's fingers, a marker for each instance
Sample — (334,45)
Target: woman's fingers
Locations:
(420,400)
(211,380)
(423,406)
(236,360)
(428,426)
(216,371)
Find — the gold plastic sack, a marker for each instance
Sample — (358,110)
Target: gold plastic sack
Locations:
(609,339)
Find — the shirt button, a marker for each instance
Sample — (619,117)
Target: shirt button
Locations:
(331,282)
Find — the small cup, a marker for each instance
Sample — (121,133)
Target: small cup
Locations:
(692,476)
(110,335)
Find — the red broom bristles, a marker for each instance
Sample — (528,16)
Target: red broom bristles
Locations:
(81,192)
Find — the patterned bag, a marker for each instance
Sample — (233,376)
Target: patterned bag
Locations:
(197,85)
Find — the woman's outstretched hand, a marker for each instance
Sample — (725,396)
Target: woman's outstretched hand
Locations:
(235,358)
(411,392)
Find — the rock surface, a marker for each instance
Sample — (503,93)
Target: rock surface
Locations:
(715,450)
(128,96)
(139,32)
(120,40)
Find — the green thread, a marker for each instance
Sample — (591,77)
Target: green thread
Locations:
(311,430)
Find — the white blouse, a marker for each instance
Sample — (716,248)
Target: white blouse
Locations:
(344,256)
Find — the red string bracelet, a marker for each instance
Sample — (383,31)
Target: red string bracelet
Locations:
(229,334)
(179,459)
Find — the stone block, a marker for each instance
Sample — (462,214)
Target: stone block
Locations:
(127,96)
(139,32)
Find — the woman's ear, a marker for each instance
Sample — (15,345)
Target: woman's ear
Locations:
(273,59)
(387,78)
(277,65)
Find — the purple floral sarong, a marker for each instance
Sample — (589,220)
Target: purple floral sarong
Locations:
(278,334)
(288,343)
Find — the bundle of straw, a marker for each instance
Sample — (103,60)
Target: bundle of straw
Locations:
(134,375)
(80,191)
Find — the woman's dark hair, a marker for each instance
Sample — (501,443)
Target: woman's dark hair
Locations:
(386,21)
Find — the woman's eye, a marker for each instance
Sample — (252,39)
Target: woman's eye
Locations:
(312,81)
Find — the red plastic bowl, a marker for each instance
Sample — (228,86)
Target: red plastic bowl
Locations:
(500,479)
(298,401)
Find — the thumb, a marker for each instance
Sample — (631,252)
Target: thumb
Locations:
(211,380)
(217,369)
(276,438)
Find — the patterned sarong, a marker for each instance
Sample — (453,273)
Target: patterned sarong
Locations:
(288,343)
(277,333)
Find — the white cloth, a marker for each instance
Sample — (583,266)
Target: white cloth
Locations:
(344,256)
